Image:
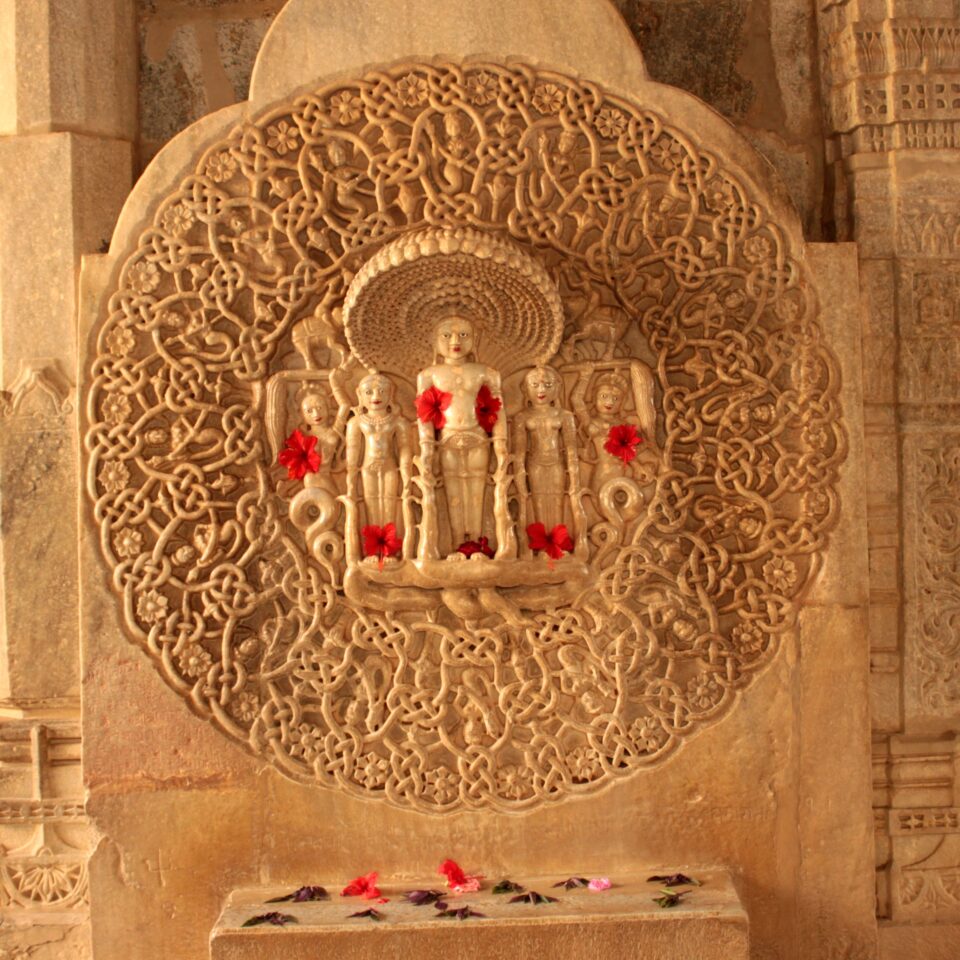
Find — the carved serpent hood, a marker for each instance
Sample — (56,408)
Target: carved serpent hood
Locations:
(693,468)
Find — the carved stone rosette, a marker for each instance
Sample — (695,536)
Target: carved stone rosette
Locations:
(608,273)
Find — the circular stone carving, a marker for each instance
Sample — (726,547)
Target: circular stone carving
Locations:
(254,252)
(404,290)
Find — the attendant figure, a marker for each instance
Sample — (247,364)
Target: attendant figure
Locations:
(315,411)
(547,467)
(378,452)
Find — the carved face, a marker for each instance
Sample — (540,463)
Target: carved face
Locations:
(375,393)
(455,338)
(542,386)
(314,409)
(609,400)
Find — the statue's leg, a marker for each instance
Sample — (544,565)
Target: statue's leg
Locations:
(475,484)
(390,494)
(370,479)
(452,460)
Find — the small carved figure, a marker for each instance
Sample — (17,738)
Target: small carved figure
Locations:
(315,410)
(545,445)
(449,393)
(607,425)
(378,451)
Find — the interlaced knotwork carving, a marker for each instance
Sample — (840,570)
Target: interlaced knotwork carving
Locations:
(659,252)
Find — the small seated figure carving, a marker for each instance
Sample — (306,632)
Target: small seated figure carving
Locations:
(448,396)
(545,445)
(378,452)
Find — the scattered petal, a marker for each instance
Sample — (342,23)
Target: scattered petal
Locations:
(365,887)
(599,883)
(670,897)
(277,919)
(459,913)
(370,912)
(458,881)
(508,886)
(303,895)
(674,880)
(420,898)
(533,897)
(571,883)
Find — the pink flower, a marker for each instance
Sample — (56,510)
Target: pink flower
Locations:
(599,883)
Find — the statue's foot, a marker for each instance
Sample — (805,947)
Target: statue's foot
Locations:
(479,555)
(456,556)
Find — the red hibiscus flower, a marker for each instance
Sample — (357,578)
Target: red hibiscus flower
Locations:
(299,456)
(555,543)
(431,404)
(381,542)
(365,887)
(487,408)
(457,880)
(622,442)
(470,547)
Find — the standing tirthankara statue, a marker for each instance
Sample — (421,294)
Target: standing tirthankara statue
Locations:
(458,404)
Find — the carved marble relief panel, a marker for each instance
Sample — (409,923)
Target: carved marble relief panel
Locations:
(557,436)
(932,670)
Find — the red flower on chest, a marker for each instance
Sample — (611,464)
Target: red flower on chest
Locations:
(431,405)
(299,455)
(487,408)
(622,442)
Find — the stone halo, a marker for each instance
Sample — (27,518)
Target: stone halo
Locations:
(414,282)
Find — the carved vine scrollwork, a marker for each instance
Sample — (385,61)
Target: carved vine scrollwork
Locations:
(630,217)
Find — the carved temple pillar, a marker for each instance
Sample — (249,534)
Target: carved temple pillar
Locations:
(891,72)
(67,122)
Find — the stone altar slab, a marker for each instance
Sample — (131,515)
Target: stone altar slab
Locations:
(622,922)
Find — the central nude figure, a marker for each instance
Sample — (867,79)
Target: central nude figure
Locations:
(458,406)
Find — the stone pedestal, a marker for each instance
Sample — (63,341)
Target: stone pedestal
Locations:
(710,924)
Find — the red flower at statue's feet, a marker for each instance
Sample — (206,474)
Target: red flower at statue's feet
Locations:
(470,547)
(381,542)
(487,408)
(622,442)
(365,887)
(457,880)
(555,543)
(299,456)
(431,404)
